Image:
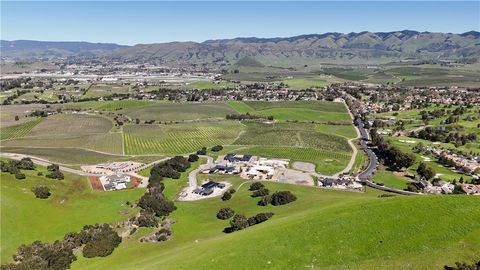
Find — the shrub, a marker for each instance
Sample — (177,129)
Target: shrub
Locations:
(225,213)
(41,192)
(283,197)
(266,200)
(232,190)
(227,196)
(259,218)
(202,151)
(55,175)
(39,174)
(20,175)
(56,256)
(217,148)
(192,158)
(260,193)
(156,203)
(146,219)
(101,240)
(256,186)
(238,222)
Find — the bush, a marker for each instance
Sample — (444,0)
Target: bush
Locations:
(56,256)
(266,200)
(283,197)
(39,174)
(260,193)
(41,192)
(232,190)
(239,222)
(101,240)
(227,196)
(146,219)
(259,218)
(156,203)
(256,186)
(217,148)
(225,213)
(202,151)
(192,158)
(20,175)
(55,175)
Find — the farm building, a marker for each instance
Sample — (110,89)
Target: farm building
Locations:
(208,188)
(115,181)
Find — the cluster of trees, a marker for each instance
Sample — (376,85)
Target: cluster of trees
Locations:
(240,222)
(217,148)
(55,172)
(247,116)
(444,134)
(154,202)
(425,171)
(463,266)
(41,192)
(391,155)
(259,190)
(97,241)
(228,195)
(14,167)
(225,213)
(278,198)
(192,158)
(170,168)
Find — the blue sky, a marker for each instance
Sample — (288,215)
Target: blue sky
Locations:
(128,22)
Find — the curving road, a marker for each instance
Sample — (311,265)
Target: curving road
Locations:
(372,158)
(192,176)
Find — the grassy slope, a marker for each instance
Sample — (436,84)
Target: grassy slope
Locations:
(386,177)
(323,228)
(25,218)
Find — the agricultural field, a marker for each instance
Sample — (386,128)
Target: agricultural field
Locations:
(8,113)
(105,90)
(178,138)
(203,85)
(72,130)
(110,105)
(308,82)
(179,111)
(318,111)
(18,131)
(434,76)
(291,134)
(326,215)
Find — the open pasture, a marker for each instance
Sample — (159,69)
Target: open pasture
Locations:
(178,138)
(25,218)
(8,113)
(164,111)
(323,229)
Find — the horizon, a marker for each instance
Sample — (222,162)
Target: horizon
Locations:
(131,23)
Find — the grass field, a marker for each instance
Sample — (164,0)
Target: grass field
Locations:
(178,138)
(387,178)
(69,156)
(323,229)
(179,111)
(347,131)
(72,205)
(18,131)
(318,111)
(326,162)
(210,85)
(303,83)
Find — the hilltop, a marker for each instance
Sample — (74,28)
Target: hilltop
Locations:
(331,47)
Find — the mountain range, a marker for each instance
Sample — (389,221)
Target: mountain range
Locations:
(386,46)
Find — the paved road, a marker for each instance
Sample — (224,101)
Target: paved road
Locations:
(372,158)
(192,176)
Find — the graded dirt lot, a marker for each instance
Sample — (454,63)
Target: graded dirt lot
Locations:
(304,166)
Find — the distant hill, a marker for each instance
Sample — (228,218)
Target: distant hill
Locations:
(33,48)
(363,47)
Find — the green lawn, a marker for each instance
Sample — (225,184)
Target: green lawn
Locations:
(387,178)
